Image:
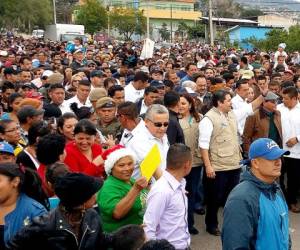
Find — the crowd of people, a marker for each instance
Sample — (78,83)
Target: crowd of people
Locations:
(78,119)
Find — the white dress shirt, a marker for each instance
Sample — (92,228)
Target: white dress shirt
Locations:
(166,212)
(242,109)
(132,94)
(290,122)
(64,107)
(128,135)
(76,100)
(141,143)
(144,107)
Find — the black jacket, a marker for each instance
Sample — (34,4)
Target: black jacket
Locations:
(174,131)
(52,232)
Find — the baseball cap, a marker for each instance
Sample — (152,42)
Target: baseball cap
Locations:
(156,70)
(10,71)
(78,51)
(89,62)
(247,74)
(47,73)
(97,93)
(96,73)
(157,84)
(6,148)
(271,96)
(266,148)
(105,102)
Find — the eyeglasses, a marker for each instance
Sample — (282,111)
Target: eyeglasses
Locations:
(160,124)
(12,130)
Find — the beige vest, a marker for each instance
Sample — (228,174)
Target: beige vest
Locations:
(224,149)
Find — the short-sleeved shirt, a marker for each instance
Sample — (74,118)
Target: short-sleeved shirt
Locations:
(112,192)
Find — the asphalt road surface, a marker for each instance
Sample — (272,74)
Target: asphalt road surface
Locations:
(205,241)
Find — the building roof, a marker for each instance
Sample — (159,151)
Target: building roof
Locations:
(230,20)
(255,27)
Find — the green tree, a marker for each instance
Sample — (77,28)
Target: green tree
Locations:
(250,13)
(64,10)
(194,32)
(24,15)
(164,33)
(128,21)
(92,15)
(182,29)
(273,38)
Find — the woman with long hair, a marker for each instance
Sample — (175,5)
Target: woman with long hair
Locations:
(21,199)
(189,123)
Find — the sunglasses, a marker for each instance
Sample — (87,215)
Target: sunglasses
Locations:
(160,124)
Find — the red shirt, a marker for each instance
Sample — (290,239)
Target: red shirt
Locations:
(42,173)
(77,162)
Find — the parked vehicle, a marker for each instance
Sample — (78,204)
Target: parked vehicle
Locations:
(38,33)
(64,32)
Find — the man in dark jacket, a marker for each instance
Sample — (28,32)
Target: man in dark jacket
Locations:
(256,213)
(174,131)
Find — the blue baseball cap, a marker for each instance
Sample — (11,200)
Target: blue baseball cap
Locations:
(6,148)
(266,148)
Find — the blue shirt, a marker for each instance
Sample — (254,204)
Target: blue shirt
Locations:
(26,209)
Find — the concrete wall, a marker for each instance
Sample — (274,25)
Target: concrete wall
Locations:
(276,21)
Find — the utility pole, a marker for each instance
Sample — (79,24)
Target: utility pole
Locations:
(171,23)
(148,21)
(54,11)
(108,19)
(211,29)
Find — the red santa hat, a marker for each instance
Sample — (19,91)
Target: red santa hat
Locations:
(112,155)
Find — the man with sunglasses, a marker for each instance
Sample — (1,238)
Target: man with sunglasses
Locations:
(151,133)
(265,122)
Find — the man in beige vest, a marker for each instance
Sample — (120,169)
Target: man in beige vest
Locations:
(220,150)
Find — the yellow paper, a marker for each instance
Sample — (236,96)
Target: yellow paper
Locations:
(151,162)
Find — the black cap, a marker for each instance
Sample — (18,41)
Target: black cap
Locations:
(157,84)
(10,71)
(74,189)
(156,70)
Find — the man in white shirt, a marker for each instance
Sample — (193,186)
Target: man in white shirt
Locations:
(151,133)
(130,121)
(166,213)
(135,90)
(290,120)
(81,97)
(241,108)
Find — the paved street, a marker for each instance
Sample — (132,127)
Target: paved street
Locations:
(205,241)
